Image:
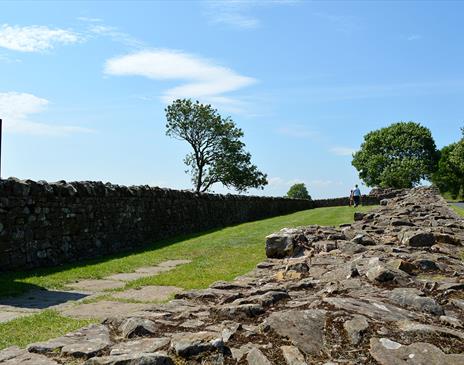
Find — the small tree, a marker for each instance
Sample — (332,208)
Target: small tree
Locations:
(298,191)
(398,156)
(218,153)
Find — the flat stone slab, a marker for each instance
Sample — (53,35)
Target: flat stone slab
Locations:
(84,342)
(139,345)
(162,267)
(15,356)
(128,276)
(35,300)
(149,293)
(388,352)
(143,272)
(305,329)
(173,263)
(152,270)
(9,316)
(10,353)
(96,285)
(374,309)
(103,309)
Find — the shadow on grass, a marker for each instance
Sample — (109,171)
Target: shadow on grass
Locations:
(39,298)
(11,284)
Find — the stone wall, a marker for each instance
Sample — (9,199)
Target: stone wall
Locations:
(44,224)
(336,202)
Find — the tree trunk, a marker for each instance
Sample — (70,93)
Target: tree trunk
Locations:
(199,178)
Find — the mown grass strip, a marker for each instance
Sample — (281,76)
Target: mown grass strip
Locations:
(458,210)
(37,327)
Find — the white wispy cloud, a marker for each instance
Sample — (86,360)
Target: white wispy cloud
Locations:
(237,13)
(89,19)
(16,110)
(202,79)
(35,38)
(115,35)
(40,38)
(7,59)
(413,37)
(278,182)
(342,151)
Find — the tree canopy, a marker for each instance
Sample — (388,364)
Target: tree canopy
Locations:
(218,153)
(298,191)
(398,156)
(457,156)
(449,176)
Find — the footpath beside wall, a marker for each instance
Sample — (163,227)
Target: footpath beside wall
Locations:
(44,224)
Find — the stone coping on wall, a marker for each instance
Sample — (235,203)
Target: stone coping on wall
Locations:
(16,187)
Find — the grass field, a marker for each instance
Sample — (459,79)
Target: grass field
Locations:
(38,327)
(458,210)
(216,255)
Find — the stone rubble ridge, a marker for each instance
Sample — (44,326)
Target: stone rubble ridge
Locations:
(387,289)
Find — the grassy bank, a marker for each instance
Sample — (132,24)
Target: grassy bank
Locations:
(39,327)
(458,210)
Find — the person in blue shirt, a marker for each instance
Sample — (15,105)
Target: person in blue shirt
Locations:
(356,196)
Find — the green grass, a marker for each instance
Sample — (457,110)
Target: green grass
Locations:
(216,255)
(458,210)
(449,198)
(37,327)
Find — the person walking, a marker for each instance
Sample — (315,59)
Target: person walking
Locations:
(356,196)
(351,198)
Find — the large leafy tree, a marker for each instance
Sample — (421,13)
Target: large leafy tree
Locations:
(398,156)
(218,154)
(449,176)
(298,191)
(457,156)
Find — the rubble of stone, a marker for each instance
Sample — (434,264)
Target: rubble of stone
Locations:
(387,289)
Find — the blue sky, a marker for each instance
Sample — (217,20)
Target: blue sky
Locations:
(83,85)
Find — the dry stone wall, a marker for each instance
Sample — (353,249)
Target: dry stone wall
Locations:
(387,289)
(43,224)
(46,224)
(336,202)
